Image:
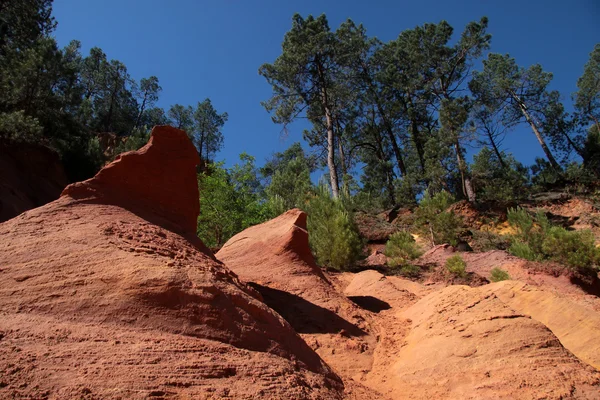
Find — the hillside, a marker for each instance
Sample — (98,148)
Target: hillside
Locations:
(106,292)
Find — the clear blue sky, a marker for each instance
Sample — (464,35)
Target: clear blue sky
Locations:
(202,48)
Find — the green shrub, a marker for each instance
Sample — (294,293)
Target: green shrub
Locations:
(498,275)
(333,235)
(434,221)
(527,242)
(520,219)
(536,239)
(457,266)
(18,127)
(485,240)
(522,250)
(409,271)
(401,248)
(574,249)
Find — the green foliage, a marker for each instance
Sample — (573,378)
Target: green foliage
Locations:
(572,248)
(138,139)
(518,96)
(206,131)
(498,178)
(537,239)
(486,240)
(456,266)
(249,192)
(409,271)
(289,176)
(333,235)
(230,201)
(591,150)
(587,97)
(401,248)
(522,250)
(497,275)
(433,219)
(18,127)
(62,99)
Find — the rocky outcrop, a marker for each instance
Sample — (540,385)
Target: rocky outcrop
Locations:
(30,176)
(577,327)
(538,274)
(276,259)
(105,294)
(465,343)
(157,180)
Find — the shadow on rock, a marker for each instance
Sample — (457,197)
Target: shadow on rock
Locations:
(370,303)
(304,316)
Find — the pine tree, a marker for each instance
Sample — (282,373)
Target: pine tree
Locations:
(304,78)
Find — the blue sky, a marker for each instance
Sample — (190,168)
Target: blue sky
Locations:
(201,48)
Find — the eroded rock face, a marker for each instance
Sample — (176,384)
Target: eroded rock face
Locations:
(104,293)
(577,326)
(467,343)
(275,258)
(158,180)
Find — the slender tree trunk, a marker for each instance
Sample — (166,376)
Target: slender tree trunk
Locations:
(335,187)
(496,150)
(139,117)
(414,125)
(201,144)
(392,139)
(597,124)
(536,131)
(575,147)
(467,185)
(389,172)
(108,123)
(342,160)
(386,122)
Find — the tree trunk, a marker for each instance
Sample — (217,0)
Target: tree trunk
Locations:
(109,116)
(389,172)
(392,139)
(342,159)
(139,117)
(496,150)
(386,122)
(536,131)
(335,187)
(575,147)
(597,123)
(415,133)
(467,185)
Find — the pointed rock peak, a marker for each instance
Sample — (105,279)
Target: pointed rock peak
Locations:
(160,178)
(296,217)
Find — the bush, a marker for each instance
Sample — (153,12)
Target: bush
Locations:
(434,221)
(333,235)
(401,248)
(409,271)
(537,239)
(18,127)
(498,275)
(522,250)
(574,249)
(527,242)
(485,240)
(457,266)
